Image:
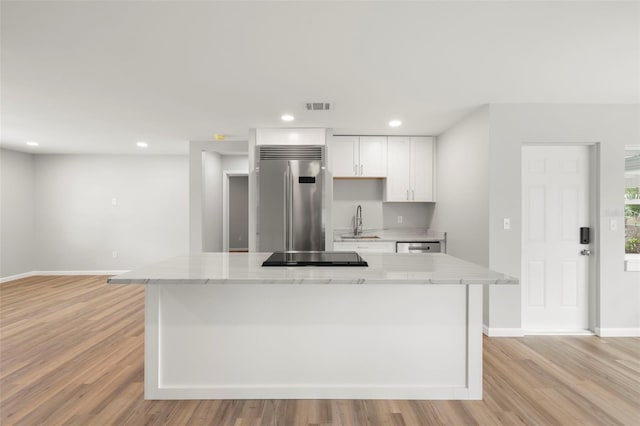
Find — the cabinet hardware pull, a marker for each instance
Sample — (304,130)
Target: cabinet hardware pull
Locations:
(413,195)
(361,170)
(407,195)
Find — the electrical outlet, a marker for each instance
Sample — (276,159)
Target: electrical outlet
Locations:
(506,223)
(114,254)
(399,219)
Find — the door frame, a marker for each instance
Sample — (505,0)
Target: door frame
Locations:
(226,174)
(593,285)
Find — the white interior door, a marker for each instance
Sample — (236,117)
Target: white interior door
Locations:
(555,204)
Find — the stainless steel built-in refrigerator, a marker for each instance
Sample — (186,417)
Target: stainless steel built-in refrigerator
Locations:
(290,197)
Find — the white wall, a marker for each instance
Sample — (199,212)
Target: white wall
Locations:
(462,210)
(235,163)
(485,150)
(17,220)
(462,166)
(414,215)
(610,126)
(199,207)
(78,227)
(211,202)
(349,193)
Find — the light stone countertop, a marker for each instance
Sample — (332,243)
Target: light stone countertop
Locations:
(245,268)
(391,235)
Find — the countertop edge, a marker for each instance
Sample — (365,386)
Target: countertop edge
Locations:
(169,281)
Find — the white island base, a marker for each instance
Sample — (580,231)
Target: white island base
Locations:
(296,341)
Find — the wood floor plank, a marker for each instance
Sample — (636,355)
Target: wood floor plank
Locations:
(72,353)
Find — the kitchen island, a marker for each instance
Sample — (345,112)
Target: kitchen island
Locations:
(221,326)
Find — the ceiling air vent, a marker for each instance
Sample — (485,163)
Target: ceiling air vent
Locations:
(318,106)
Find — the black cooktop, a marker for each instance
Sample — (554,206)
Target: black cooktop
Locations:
(315,258)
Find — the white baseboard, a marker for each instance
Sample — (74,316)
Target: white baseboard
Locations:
(502,332)
(55,273)
(535,332)
(15,277)
(618,332)
(602,332)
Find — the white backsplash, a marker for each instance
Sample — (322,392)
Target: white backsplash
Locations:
(349,193)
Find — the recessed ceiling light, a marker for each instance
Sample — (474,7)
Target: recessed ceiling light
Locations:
(287,117)
(32,143)
(142,144)
(395,123)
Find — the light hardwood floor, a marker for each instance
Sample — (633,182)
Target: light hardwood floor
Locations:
(71,352)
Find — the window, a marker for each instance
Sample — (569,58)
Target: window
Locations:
(632,208)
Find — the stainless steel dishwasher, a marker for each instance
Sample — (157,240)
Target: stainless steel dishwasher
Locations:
(418,247)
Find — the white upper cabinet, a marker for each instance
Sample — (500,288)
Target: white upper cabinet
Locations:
(343,156)
(398,173)
(373,156)
(422,169)
(410,169)
(358,156)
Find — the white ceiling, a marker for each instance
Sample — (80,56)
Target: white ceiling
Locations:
(95,77)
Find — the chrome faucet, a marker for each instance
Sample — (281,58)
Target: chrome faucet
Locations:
(357,222)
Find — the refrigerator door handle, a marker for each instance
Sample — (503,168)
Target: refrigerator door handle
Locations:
(285,209)
(290,208)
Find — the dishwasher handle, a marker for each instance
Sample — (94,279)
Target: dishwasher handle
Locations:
(418,247)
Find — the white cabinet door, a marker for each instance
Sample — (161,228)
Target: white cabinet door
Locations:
(399,157)
(343,156)
(366,246)
(410,169)
(422,169)
(373,156)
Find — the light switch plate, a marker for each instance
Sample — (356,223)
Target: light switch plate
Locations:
(506,223)
(613,224)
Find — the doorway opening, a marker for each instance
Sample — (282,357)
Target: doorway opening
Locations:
(236,212)
(559,239)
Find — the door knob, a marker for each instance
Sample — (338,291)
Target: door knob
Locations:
(585,252)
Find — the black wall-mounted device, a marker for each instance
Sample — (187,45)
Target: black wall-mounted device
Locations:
(585,238)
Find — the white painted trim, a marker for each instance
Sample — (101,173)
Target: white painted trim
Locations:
(311,392)
(618,332)
(152,379)
(474,341)
(558,332)
(502,332)
(16,277)
(57,273)
(225,205)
